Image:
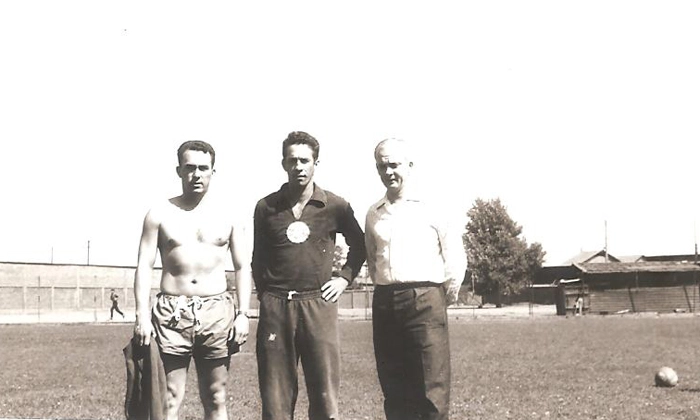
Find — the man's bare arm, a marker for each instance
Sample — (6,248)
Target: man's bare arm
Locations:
(148,248)
(244,283)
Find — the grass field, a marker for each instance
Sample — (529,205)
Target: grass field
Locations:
(576,368)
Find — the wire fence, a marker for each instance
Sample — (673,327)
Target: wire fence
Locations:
(31,299)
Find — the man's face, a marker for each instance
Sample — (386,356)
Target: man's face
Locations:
(393,167)
(299,164)
(195,171)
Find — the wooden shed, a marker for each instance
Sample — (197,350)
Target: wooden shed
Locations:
(663,286)
(618,287)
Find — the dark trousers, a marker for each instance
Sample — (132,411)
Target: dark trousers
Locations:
(115,307)
(301,326)
(412,350)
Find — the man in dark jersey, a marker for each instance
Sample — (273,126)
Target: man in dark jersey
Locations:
(295,232)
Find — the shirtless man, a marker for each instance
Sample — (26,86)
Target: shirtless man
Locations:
(193,315)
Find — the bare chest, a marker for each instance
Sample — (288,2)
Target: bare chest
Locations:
(183,228)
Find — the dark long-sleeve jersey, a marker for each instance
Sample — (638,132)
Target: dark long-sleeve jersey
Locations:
(297,254)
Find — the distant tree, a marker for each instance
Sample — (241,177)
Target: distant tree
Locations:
(340,256)
(500,261)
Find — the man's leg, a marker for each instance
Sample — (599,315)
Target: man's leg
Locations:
(277,358)
(175,377)
(389,352)
(320,356)
(212,375)
(428,354)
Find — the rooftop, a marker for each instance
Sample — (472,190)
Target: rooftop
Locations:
(638,267)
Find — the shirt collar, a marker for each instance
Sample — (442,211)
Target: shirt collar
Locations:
(385,201)
(319,195)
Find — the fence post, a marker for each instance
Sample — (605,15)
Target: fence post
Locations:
(38,299)
(77,291)
(629,290)
(367,316)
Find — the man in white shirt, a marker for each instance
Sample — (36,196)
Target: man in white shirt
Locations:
(417,265)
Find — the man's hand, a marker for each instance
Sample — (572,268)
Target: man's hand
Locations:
(452,294)
(142,332)
(240,331)
(334,288)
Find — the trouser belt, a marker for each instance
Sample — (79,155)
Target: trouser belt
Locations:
(294,294)
(405,286)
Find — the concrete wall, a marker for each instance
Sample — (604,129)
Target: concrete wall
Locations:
(29,287)
(67,275)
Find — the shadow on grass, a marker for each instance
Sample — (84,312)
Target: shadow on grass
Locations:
(691,390)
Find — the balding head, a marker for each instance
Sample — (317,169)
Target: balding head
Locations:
(395,147)
(394,166)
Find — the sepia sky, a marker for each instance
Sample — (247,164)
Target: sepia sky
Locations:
(572,113)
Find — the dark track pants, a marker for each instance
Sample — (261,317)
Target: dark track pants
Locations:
(115,307)
(412,350)
(304,327)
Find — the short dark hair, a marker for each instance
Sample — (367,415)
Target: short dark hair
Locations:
(199,145)
(300,137)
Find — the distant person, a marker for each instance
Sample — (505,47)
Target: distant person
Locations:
(114,297)
(295,232)
(578,306)
(194,314)
(417,264)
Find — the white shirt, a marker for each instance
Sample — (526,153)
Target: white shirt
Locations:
(409,241)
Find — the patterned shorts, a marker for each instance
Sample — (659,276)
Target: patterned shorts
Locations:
(194,326)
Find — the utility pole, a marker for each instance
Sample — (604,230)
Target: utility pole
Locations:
(695,259)
(695,239)
(606,241)
(88,253)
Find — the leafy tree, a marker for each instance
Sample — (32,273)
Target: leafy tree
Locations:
(500,261)
(340,256)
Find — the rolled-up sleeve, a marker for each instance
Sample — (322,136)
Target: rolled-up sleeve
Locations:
(452,250)
(370,244)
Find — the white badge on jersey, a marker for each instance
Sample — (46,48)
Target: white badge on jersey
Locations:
(298,232)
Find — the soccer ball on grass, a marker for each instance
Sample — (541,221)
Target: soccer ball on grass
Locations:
(666,377)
